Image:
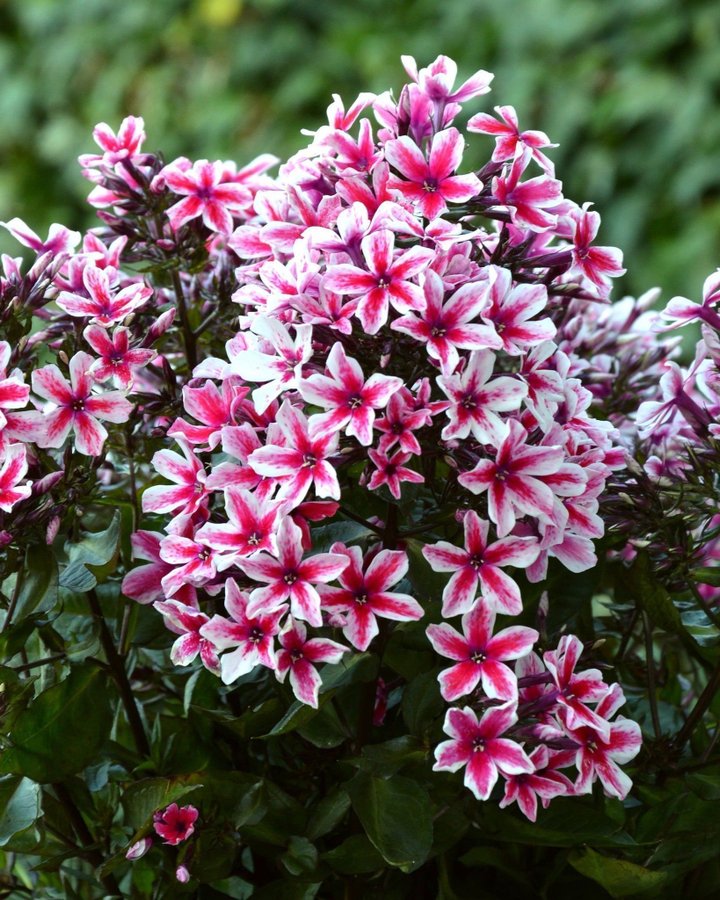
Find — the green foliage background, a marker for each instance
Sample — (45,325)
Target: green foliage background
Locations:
(628,87)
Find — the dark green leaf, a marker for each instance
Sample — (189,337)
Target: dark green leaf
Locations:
(355,856)
(19,806)
(301,856)
(62,731)
(88,558)
(142,798)
(328,814)
(38,582)
(619,877)
(396,815)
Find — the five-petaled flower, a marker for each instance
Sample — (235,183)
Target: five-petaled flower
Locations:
(297,657)
(175,823)
(102,305)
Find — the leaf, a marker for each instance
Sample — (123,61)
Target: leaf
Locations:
(141,799)
(388,758)
(706,575)
(355,856)
(396,816)
(301,857)
(422,703)
(63,729)
(39,582)
(19,806)
(94,551)
(619,877)
(651,595)
(328,814)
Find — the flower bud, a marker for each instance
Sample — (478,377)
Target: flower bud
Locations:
(138,849)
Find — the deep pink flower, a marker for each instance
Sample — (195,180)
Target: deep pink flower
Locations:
(187,622)
(59,239)
(452,325)
(302,461)
(252,637)
(475,401)
(100,304)
(385,281)
(190,490)
(478,746)
(144,583)
(117,360)
(298,657)
(290,577)
(175,823)
(401,419)
(390,470)
(208,194)
(478,565)
(480,655)
(13,469)
(76,407)
(364,595)
(350,399)
(513,479)
(576,690)
(214,407)
(116,147)
(430,183)
(437,80)
(508,137)
(545,783)
(511,310)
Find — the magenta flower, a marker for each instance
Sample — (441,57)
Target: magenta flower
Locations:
(598,264)
(302,461)
(117,360)
(289,577)
(350,399)
(391,471)
(401,419)
(599,753)
(528,201)
(446,327)
(430,183)
(214,407)
(478,566)
(480,655)
(252,637)
(298,657)
(76,408)
(513,480)
(100,304)
(364,595)
(187,622)
(144,583)
(14,394)
(175,823)
(478,746)
(437,80)
(116,147)
(188,473)
(475,402)
(545,783)
(386,282)
(509,140)
(207,195)
(192,563)
(13,469)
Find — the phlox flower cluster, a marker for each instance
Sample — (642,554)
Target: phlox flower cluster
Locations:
(377,345)
(401,346)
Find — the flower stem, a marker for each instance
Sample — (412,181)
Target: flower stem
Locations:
(187,332)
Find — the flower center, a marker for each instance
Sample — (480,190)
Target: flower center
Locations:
(309,461)
(290,577)
(478,745)
(256,635)
(253,539)
(478,657)
(476,562)
(355,401)
(361,599)
(430,185)
(77,405)
(438,331)
(296,654)
(468,402)
(383,282)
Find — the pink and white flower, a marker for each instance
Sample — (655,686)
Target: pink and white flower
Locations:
(478,745)
(207,194)
(102,305)
(13,468)
(187,622)
(298,656)
(116,358)
(364,593)
(478,565)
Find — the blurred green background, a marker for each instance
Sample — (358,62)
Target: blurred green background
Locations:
(629,88)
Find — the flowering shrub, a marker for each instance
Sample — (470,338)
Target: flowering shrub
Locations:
(370,441)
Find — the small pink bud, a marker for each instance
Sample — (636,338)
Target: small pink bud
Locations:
(182,874)
(52,529)
(5,538)
(139,848)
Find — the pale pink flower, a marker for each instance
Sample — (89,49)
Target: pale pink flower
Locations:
(100,304)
